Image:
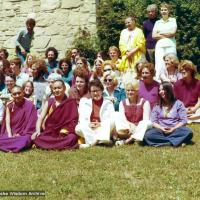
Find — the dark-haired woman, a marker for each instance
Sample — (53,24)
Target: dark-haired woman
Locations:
(66,68)
(80,89)
(169,119)
(95,116)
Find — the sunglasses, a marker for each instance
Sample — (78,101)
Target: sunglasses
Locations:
(108,80)
(105,70)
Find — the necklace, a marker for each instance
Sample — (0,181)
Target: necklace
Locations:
(166,111)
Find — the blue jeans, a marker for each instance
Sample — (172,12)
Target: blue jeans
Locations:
(156,137)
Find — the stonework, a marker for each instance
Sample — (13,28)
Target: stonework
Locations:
(57,22)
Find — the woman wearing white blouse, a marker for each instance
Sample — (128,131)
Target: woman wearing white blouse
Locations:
(164,31)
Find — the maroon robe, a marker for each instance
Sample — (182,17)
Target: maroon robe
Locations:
(64,116)
(23,119)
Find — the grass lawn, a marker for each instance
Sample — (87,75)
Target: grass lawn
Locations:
(127,172)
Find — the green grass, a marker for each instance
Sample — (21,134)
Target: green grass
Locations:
(127,172)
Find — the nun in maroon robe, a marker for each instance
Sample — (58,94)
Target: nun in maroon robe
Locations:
(59,127)
(23,116)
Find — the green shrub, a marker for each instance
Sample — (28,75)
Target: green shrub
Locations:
(87,43)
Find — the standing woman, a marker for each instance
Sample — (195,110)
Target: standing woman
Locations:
(169,119)
(131,45)
(164,32)
(55,128)
(19,123)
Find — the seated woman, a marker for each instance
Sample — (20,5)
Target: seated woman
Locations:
(109,66)
(112,91)
(4,69)
(97,69)
(18,124)
(148,87)
(95,116)
(82,62)
(187,90)
(170,73)
(55,127)
(66,67)
(133,118)
(80,89)
(10,80)
(30,59)
(169,119)
(28,90)
(38,71)
(114,54)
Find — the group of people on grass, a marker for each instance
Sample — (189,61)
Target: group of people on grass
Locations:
(69,104)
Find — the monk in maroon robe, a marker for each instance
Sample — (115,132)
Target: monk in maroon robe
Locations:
(18,124)
(61,114)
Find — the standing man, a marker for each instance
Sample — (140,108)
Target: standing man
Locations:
(24,39)
(148,25)
(131,45)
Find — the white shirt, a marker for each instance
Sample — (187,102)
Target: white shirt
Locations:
(167,26)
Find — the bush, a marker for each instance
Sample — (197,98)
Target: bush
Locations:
(87,43)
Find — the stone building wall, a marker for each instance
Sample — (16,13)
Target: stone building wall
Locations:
(57,22)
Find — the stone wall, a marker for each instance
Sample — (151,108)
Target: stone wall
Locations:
(57,22)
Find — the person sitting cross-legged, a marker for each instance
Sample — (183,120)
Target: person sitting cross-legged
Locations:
(19,123)
(169,118)
(96,124)
(55,127)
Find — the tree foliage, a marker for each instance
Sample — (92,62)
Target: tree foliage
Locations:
(111,15)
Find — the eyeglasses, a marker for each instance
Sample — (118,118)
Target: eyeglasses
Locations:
(105,70)
(108,80)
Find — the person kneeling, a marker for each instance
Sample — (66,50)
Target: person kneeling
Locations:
(55,127)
